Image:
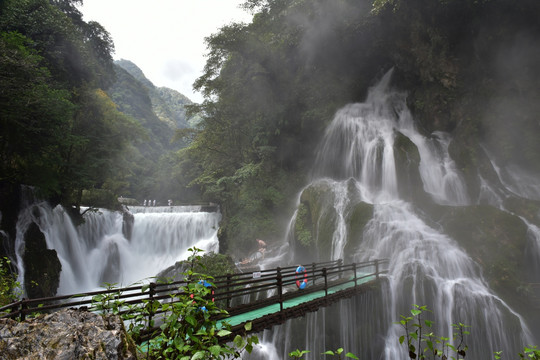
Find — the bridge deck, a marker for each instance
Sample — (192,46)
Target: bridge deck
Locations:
(292,302)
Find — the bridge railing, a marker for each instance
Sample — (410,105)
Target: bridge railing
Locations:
(236,293)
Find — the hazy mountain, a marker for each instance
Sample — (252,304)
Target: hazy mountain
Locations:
(167,104)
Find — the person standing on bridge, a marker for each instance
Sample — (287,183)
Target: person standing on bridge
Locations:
(262,247)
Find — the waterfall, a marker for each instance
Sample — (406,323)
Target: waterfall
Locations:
(427,267)
(96,252)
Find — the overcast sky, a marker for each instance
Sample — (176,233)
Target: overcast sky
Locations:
(165,38)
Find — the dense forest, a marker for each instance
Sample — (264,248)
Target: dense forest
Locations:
(68,122)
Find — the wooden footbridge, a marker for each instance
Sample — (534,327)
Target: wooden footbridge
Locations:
(262,297)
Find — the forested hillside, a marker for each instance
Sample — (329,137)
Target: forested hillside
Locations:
(151,162)
(469,68)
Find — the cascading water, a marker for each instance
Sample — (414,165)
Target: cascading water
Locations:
(96,251)
(426,266)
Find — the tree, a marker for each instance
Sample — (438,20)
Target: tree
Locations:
(97,138)
(34,116)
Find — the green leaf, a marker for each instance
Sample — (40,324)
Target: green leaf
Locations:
(215,350)
(401,339)
(351,355)
(223,333)
(191,320)
(329,352)
(238,341)
(248,326)
(199,355)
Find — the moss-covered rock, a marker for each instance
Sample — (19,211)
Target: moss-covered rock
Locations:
(317,217)
(359,215)
(318,220)
(211,264)
(303,226)
(42,266)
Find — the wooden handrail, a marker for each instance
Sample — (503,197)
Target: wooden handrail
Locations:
(230,288)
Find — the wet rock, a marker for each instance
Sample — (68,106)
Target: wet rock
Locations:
(111,272)
(127,223)
(42,266)
(66,335)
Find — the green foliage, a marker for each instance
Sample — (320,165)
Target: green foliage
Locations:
(337,353)
(9,286)
(530,352)
(297,354)
(109,303)
(422,343)
(270,89)
(189,329)
(59,131)
(35,116)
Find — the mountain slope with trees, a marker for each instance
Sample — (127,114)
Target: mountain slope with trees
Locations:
(273,85)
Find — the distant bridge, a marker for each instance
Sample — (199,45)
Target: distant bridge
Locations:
(264,298)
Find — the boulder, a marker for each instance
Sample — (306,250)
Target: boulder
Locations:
(128,220)
(66,335)
(42,266)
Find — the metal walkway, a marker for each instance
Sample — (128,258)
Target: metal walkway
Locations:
(265,297)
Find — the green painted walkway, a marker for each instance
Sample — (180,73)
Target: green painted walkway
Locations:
(289,303)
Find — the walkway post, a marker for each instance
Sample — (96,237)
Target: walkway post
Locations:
(228,301)
(280,288)
(354,270)
(313,266)
(340,262)
(22,309)
(325,282)
(151,293)
(377,268)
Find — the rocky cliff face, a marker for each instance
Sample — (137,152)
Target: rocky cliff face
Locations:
(67,334)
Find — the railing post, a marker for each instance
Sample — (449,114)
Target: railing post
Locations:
(228,301)
(355,276)
(377,269)
(151,293)
(325,282)
(313,267)
(340,263)
(280,288)
(22,309)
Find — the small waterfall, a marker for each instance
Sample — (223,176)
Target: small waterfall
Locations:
(96,252)
(426,266)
